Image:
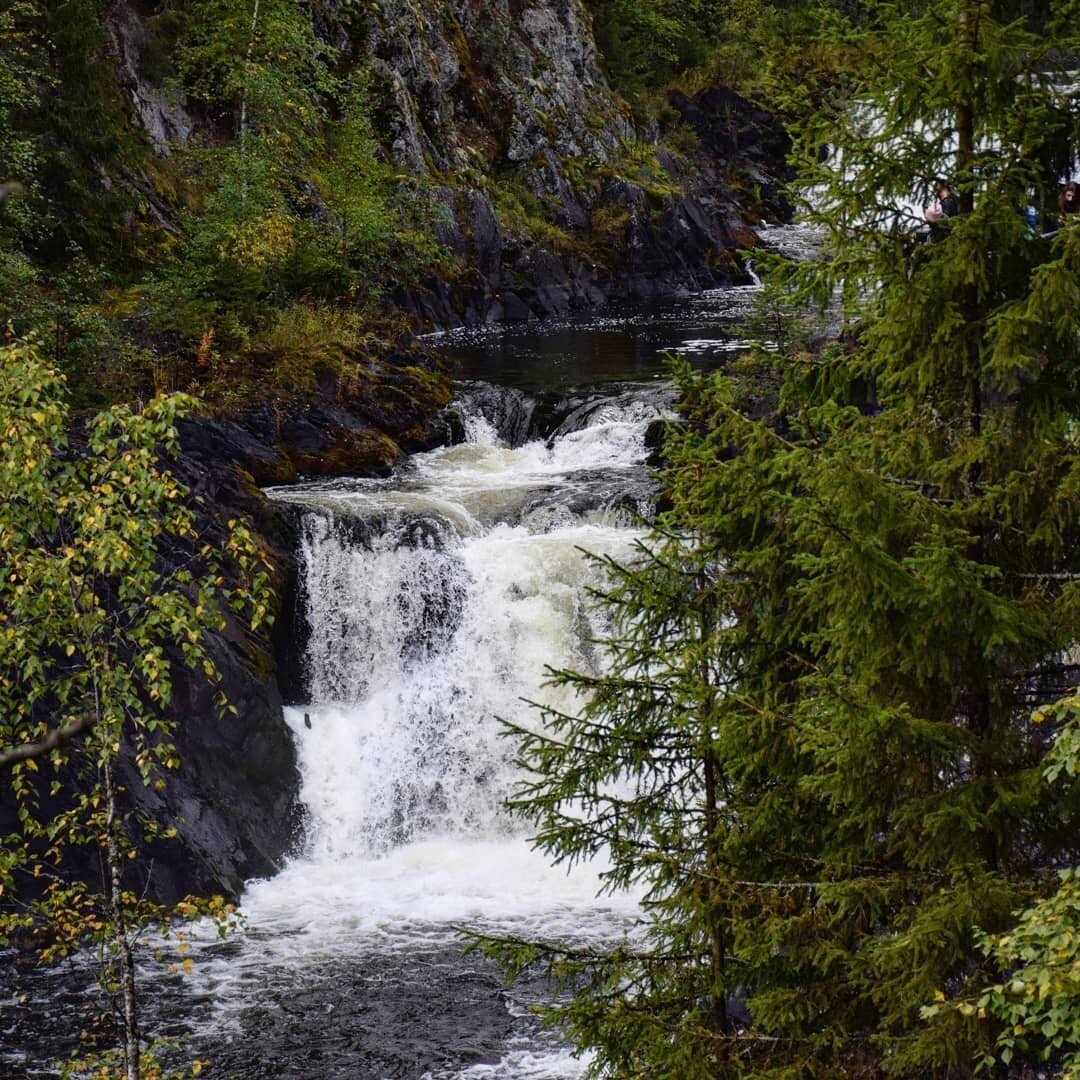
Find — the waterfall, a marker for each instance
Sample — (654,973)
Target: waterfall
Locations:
(414,654)
(435,604)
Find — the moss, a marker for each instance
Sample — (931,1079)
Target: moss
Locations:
(609,225)
(520,213)
(356,453)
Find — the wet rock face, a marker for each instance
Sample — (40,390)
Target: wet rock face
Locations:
(509,94)
(234,799)
(732,129)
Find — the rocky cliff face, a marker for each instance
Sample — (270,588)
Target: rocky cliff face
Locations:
(506,101)
(550,197)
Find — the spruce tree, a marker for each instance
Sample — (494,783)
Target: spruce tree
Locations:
(815,749)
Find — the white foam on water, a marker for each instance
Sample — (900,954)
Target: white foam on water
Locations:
(558,1064)
(417,648)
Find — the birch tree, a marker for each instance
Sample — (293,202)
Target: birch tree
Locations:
(105,585)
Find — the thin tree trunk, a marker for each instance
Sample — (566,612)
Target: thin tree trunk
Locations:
(717,998)
(980,710)
(120,936)
(244,104)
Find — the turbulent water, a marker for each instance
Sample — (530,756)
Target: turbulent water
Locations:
(435,601)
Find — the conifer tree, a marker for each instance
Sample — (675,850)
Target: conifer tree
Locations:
(815,749)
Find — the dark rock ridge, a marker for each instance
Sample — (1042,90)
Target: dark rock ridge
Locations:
(507,101)
(234,800)
(678,230)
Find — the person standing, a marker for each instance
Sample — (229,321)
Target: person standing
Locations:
(1068,201)
(943,205)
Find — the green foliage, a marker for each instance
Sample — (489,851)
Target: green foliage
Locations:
(260,64)
(288,199)
(768,50)
(307,211)
(519,211)
(1038,1003)
(92,621)
(110,1064)
(635,774)
(644,42)
(81,123)
(814,750)
(305,341)
(21,72)
(68,230)
(369,223)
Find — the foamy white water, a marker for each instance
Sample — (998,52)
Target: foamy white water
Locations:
(424,633)
(435,605)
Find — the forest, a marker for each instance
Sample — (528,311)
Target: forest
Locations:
(836,742)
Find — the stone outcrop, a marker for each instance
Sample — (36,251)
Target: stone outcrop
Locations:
(551,198)
(234,798)
(509,97)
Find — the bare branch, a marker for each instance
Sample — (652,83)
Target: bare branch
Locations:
(57,737)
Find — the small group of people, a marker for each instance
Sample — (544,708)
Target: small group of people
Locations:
(944,205)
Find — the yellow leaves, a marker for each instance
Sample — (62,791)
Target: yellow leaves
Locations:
(69,649)
(259,244)
(939,995)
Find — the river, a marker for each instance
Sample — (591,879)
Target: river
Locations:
(434,601)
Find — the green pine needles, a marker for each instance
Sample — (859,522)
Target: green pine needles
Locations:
(815,751)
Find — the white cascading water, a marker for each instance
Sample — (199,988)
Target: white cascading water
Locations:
(435,604)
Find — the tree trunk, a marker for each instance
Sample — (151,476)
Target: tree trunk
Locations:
(121,941)
(717,1000)
(244,103)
